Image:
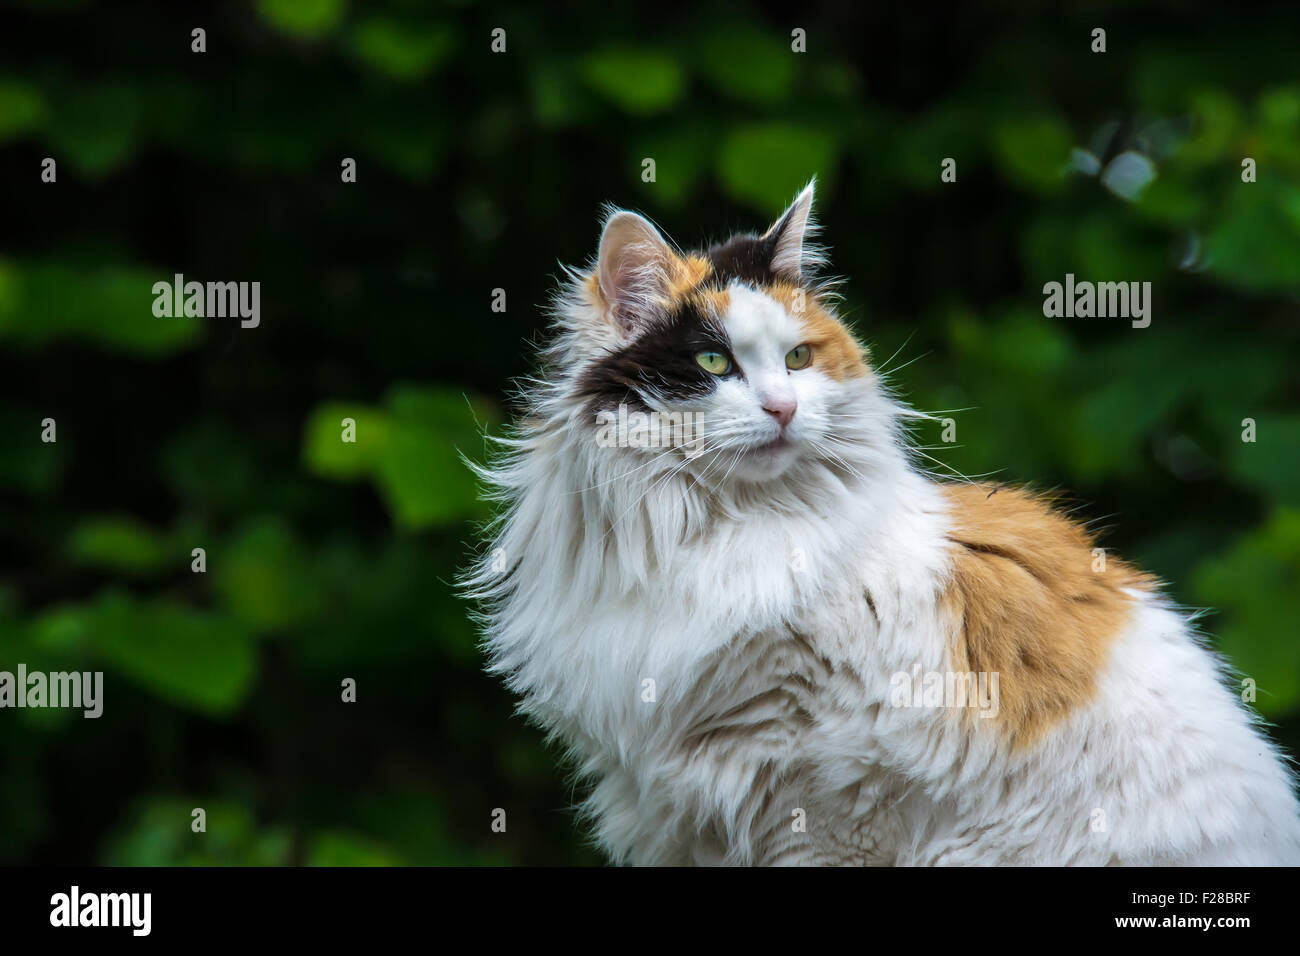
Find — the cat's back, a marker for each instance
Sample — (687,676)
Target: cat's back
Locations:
(1114,718)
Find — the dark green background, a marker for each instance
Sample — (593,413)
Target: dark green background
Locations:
(480,171)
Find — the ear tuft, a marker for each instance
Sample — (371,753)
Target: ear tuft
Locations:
(794,256)
(633,268)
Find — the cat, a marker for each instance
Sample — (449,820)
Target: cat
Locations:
(778,641)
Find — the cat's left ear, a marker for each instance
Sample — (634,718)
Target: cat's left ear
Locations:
(633,269)
(794,256)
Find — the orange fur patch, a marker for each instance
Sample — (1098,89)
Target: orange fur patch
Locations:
(834,349)
(686,274)
(1025,602)
(683,276)
(714,301)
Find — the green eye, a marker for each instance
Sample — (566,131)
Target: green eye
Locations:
(798,357)
(714,362)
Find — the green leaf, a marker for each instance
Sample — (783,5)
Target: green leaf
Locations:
(419,469)
(405,51)
(924,142)
(1216,126)
(413,150)
(1279,110)
(1257,242)
(1257,585)
(195,659)
(346,849)
(766,164)
(96,126)
(641,82)
(1109,421)
(304,19)
(1032,150)
(1271,463)
(264,577)
(411,449)
(344,440)
(557,97)
(119,543)
(1112,245)
(747,63)
(109,306)
(28,464)
(1173,201)
(22,109)
(681,156)
(61,629)
(161,833)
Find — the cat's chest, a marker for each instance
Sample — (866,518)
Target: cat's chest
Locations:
(754,651)
(757,697)
(771,741)
(769,696)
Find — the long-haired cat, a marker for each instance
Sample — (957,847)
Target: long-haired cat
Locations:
(766,637)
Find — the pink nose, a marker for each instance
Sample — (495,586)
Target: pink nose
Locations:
(782,409)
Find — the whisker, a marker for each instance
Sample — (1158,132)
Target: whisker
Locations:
(882,370)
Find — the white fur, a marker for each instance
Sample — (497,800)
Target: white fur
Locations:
(743,599)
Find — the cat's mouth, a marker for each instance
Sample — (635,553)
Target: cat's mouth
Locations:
(776,445)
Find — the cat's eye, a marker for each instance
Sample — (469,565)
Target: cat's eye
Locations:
(798,357)
(716,363)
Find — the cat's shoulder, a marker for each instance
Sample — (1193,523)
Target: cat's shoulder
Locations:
(1033,533)
(1032,597)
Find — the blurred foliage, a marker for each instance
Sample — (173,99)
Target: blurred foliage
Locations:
(329,559)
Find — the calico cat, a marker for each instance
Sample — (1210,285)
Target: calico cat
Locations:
(775,640)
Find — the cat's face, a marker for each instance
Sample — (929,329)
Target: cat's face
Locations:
(735,342)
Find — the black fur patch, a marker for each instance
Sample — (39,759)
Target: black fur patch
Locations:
(747,258)
(661,359)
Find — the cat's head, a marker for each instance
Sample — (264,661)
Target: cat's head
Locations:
(732,357)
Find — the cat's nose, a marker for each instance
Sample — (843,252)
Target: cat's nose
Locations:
(782,409)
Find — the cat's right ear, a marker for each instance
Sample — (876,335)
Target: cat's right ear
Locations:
(633,269)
